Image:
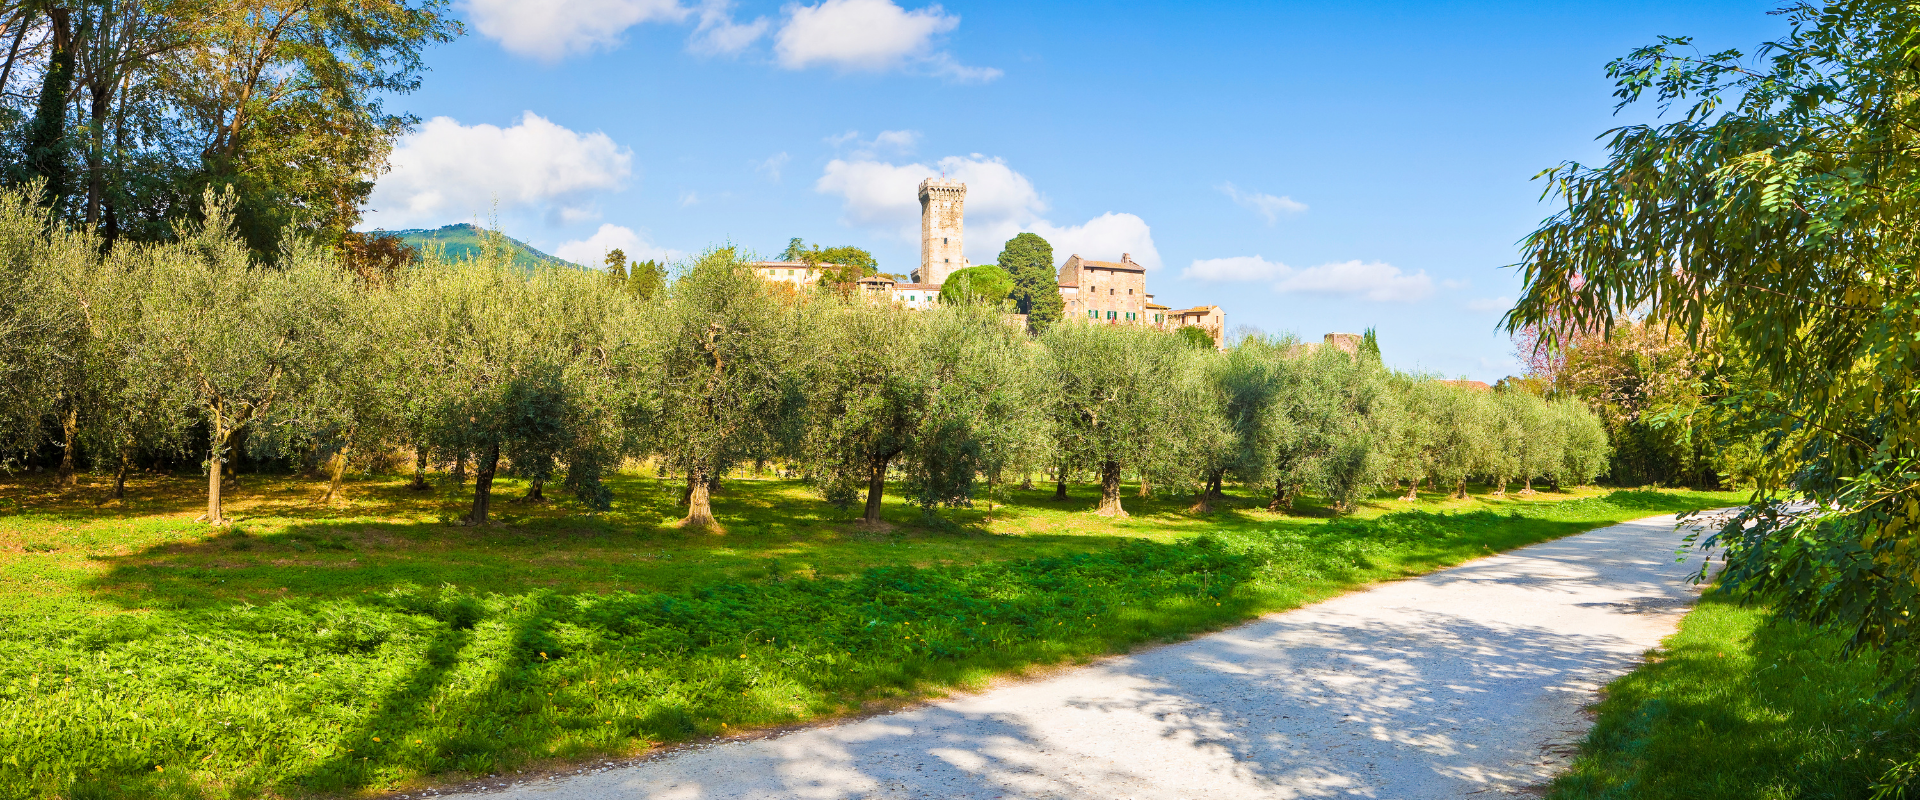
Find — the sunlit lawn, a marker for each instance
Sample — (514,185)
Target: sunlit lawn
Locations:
(1738,706)
(373,643)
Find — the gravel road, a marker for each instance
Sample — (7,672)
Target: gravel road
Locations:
(1467,682)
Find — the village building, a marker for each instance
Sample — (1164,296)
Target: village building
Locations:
(1105,292)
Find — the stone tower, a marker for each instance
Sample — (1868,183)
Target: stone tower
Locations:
(942,205)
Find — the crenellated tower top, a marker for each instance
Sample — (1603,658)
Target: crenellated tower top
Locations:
(942,214)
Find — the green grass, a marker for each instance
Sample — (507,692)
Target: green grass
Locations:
(373,645)
(1737,707)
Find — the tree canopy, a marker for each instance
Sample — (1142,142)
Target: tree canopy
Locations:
(1772,223)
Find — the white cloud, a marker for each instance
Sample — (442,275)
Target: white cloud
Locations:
(1237,268)
(447,172)
(871,36)
(689,198)
(856,149)
(718,34)
(1265,205)
(1104,238)
(592,251)
(1000,203)
(1486,304)
(1374,280)
(553,29)
(772,166)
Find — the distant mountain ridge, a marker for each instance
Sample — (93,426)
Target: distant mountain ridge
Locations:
(463,240)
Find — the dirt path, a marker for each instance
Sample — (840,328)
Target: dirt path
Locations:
(1467,682)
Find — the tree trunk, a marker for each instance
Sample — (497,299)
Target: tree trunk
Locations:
(1110,491)
(97,106)
(337,469)
(217,436)
(876,482)
(1526,488)
(1460,490)
(460,469)
(1502,491)
(120,474)
(759,467)
(699,501)
(1413,490)
(70,428)
(46,152)
(483,483)
(1060,488)
(1146,486)
(1026,482)
(534,491)
(236,445)
(419,469)
(1209,493)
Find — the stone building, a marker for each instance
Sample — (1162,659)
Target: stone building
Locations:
(1107,292)
(942,226)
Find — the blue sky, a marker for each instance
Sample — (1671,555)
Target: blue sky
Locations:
(1308,167)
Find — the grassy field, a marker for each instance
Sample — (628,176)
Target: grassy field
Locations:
(1734,708)
(373,645)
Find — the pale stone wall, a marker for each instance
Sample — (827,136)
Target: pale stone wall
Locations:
(1105,291)
(942,223)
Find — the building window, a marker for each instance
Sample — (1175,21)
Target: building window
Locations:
(1093,313)
(1109,291)
(1112,314)
(1159,318)
(1129,291)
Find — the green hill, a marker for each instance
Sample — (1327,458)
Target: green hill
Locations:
(463,241)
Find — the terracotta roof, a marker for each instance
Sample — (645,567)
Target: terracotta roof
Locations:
(1478,386)
(1112,265)
(1158,307)
(933,287)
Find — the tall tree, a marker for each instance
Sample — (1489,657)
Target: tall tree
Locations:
(985,414)
(1036,293)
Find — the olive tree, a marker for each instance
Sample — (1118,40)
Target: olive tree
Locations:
(243,338)
(866,395)
(519,367)
(1112,408)
(984,415)
(725,356)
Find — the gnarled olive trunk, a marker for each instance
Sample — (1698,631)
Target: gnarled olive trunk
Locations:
(536,491)
(70,429)
(1502,483)
(217,438)
(483,470)
(1282,497)
(419,469)
(1026,482)
(460,469)
(876,483)
(337,469)
(1210,493)
(699,500)
(1110,490)
(1146,486)
(1460,490)
(1413,490)
(120,473)
(1060,485)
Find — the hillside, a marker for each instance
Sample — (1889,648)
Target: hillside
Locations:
(463,241)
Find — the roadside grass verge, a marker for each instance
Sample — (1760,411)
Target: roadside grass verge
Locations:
(312,650)
(1739,706)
